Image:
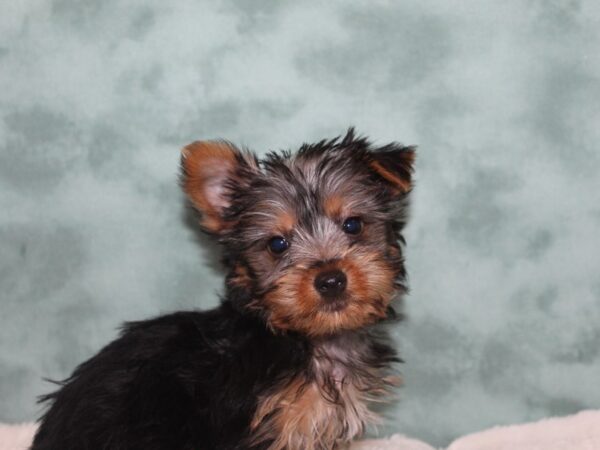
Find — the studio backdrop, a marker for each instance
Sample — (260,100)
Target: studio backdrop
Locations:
(503,248)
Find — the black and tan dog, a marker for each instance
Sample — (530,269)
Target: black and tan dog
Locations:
(290,359)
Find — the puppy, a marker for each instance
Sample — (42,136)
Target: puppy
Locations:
(290,359)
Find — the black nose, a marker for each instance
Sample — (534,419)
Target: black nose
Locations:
(331,283)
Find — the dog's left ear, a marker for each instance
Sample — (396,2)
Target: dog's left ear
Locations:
(212,173)
(394,165)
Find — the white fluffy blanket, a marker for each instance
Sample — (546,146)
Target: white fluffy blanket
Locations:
(578,432)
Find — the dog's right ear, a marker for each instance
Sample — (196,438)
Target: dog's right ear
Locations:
(211,172)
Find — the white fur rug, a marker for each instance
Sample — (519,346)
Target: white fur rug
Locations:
(578,432)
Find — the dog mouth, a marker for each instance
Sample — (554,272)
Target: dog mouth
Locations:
(335,304)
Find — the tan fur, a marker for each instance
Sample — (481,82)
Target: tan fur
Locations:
(294,303)
(204,161)
(334,206)
(240,277)
(284,221)
(207,166)
(306,415)
(402,185)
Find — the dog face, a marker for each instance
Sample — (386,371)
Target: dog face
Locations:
(311,239)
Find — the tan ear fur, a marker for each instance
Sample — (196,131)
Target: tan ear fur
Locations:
(207,168)
(395,165)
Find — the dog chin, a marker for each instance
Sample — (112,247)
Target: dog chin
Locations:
(335,305)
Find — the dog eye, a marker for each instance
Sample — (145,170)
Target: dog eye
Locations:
(352,225)
(278,245)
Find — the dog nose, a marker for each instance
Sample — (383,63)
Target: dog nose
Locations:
(331,283)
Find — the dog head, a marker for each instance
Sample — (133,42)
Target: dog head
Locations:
(312,239)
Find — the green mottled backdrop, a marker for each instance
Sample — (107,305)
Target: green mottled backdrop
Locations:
(503,99)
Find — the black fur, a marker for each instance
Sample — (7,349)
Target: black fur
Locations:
(185,381)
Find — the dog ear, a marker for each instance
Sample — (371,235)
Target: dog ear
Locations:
(211,173)
(393,164)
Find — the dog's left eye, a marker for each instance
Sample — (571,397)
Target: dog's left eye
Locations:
(352,225)
(278,245)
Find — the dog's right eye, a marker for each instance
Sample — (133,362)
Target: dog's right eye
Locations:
(278,245)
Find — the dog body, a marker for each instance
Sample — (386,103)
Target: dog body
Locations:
(290,359)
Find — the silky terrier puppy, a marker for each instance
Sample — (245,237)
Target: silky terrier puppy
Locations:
(292,358)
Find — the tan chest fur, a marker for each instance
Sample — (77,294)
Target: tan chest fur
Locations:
(321,410)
